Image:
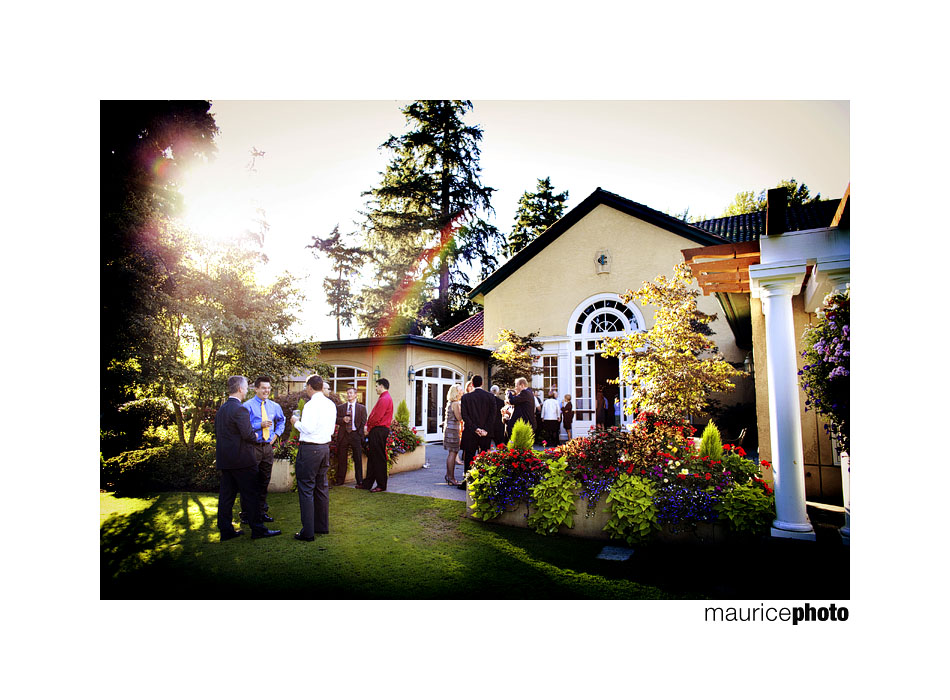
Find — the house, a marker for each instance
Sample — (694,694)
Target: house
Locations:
(566,285)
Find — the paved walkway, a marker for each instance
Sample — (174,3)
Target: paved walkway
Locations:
(429,480)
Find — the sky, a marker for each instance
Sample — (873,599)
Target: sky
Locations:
(320,156)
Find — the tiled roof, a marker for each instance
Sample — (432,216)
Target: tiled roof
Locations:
(471,331)
(748,227)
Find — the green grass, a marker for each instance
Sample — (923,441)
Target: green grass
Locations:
(388,546)
(395,546)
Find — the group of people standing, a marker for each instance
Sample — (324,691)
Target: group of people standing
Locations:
(476,419)
(247,430)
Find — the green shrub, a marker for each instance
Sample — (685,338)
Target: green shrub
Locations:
(554,499)
(402,413)
(522,436)
(747,508)
(711,443)
(167,466)
(633,513)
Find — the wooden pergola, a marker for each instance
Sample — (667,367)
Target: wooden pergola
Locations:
(723,268)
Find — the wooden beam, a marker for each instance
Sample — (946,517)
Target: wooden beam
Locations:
(725,250)
(727,276)
(722,265)
(734,288)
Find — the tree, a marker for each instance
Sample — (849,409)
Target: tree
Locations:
(343,304)
(536,211)
(748,202)
(144,146)
(512,358)
(430,188)
(673,367)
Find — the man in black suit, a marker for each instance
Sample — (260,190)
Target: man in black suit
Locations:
(522,404)
(498,426)
(236,460)
(351,417)
(478,409)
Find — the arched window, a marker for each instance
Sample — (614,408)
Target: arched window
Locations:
(606,314)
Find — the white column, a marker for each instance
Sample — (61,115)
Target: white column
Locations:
(776,288)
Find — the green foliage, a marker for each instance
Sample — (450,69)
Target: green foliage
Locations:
(747,508)
(512,357)
(402,413)
(166,465)
(747,202)
(501,479)
(553,499)
(633,514)
(711,443)
(536,212)
(522,436)
(674,367)
(401,439)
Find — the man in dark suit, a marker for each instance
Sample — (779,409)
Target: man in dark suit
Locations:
(351,417)
(498,426)
(236,460)
(522,404)
(478,409)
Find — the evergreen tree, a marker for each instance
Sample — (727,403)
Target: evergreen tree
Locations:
(343,259)
(748,202)
(536,211)
(429,189)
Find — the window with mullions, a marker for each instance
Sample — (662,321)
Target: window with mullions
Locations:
(548,374)
(606,316)
(345,377)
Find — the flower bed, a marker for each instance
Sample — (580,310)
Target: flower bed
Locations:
(638,485)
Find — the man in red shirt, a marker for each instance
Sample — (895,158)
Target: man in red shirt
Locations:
(377,428)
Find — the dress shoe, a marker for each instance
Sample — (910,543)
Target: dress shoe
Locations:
(267,519)
(298,536)
(225,536)
(266,533)
(376,490)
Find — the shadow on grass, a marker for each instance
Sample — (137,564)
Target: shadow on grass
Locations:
(399,547)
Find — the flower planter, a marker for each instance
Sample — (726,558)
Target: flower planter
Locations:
(281,477)
(593,527)
(846,494)
(407,462)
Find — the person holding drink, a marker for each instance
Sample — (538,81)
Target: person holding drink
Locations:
(351,417)
(267,421)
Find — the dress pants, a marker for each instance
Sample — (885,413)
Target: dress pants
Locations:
(264,454)
(552,432)
(350,440)
(472,445)
(243,481)
(376,458)
(313,491)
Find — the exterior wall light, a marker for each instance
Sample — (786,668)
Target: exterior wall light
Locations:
(412,374)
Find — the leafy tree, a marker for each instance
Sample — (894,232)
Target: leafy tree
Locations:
(748,202)
(343,259)
(536,211)
(673,367)
(144,147)
(430,188)
(512,358)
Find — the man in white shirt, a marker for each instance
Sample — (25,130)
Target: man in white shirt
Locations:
(315,425)
(550,419)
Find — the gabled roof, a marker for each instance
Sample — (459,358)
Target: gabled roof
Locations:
(471,331)
(598,197)
(748,227)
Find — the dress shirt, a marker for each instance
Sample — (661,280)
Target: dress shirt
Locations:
(317,420)
(274,412)
(550,410)
(351,407)
(382,413)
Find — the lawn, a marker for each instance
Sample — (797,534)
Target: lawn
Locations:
(395,546)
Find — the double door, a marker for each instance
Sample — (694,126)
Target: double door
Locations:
(431,394)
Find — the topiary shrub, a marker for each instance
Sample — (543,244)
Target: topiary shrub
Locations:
(402,413)
(522,436)
(711,443)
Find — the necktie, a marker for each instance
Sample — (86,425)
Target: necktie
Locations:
(264,418)
(352,416)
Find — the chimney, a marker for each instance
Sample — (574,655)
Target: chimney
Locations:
(776,210)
